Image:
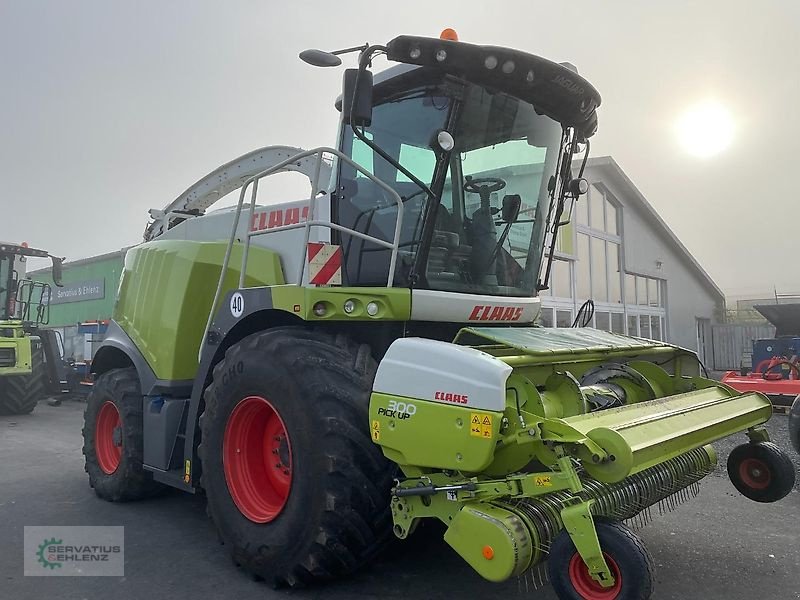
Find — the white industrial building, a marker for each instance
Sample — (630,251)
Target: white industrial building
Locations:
(618,252)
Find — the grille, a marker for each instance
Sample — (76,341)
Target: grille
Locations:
(8,357)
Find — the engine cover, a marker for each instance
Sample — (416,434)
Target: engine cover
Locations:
(438,405)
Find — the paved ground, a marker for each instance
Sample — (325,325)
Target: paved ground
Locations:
(718,546)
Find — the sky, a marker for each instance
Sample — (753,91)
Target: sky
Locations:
(110,108)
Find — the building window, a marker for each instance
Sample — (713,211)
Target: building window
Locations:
(593,267)
(561,279)
(564,318)
(598,266)
(645,306)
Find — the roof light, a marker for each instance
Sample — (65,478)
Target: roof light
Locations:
(508,67)
(441,55)
(449,34)
(490,62)
(415,52)
(24,244)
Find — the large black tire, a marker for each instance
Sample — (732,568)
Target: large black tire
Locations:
(626,555)
(19,394)
(129,481)
(336,513)
(762,472)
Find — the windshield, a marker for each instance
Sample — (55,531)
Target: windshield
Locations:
(484,230)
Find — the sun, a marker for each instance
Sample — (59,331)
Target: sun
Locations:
(705,129)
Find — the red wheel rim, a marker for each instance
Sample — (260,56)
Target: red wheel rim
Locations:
(754,473)
(257,459)
(108,437)
(588,588)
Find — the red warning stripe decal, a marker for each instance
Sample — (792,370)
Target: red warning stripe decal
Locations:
(324,264)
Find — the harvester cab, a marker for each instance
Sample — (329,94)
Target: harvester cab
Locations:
(367,358)
(30,357)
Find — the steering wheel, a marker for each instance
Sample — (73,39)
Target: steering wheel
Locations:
(484,185)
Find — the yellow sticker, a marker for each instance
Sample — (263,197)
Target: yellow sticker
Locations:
(376,435)
(376,424)
(480,425)
(543,481)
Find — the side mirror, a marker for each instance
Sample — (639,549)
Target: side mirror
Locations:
(512,203)
(57,270)
(359,100)
(320,58)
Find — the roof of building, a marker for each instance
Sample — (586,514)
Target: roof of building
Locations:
(610,167)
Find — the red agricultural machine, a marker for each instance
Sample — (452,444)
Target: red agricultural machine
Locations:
(775,369)
(776,364)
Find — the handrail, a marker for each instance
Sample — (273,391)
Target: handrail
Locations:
(41,304)
(310,222)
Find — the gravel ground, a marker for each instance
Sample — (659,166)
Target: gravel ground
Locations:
(717,546)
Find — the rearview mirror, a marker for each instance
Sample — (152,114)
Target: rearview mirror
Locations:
(57,270)
(512,203)
(359,100)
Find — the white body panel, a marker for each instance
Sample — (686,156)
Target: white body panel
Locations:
(453,307)
(443,372)
(216,226)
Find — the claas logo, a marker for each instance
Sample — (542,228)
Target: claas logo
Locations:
(450,397)
(482,312)
(278,218)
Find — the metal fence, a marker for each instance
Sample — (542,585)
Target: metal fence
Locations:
(733,343)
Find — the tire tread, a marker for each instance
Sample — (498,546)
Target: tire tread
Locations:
(356,521)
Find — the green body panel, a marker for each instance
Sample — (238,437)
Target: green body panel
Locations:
(553,341)
(494,541)
(165,296)
(645,434)
(394,304)
(452,440)
(12,336)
